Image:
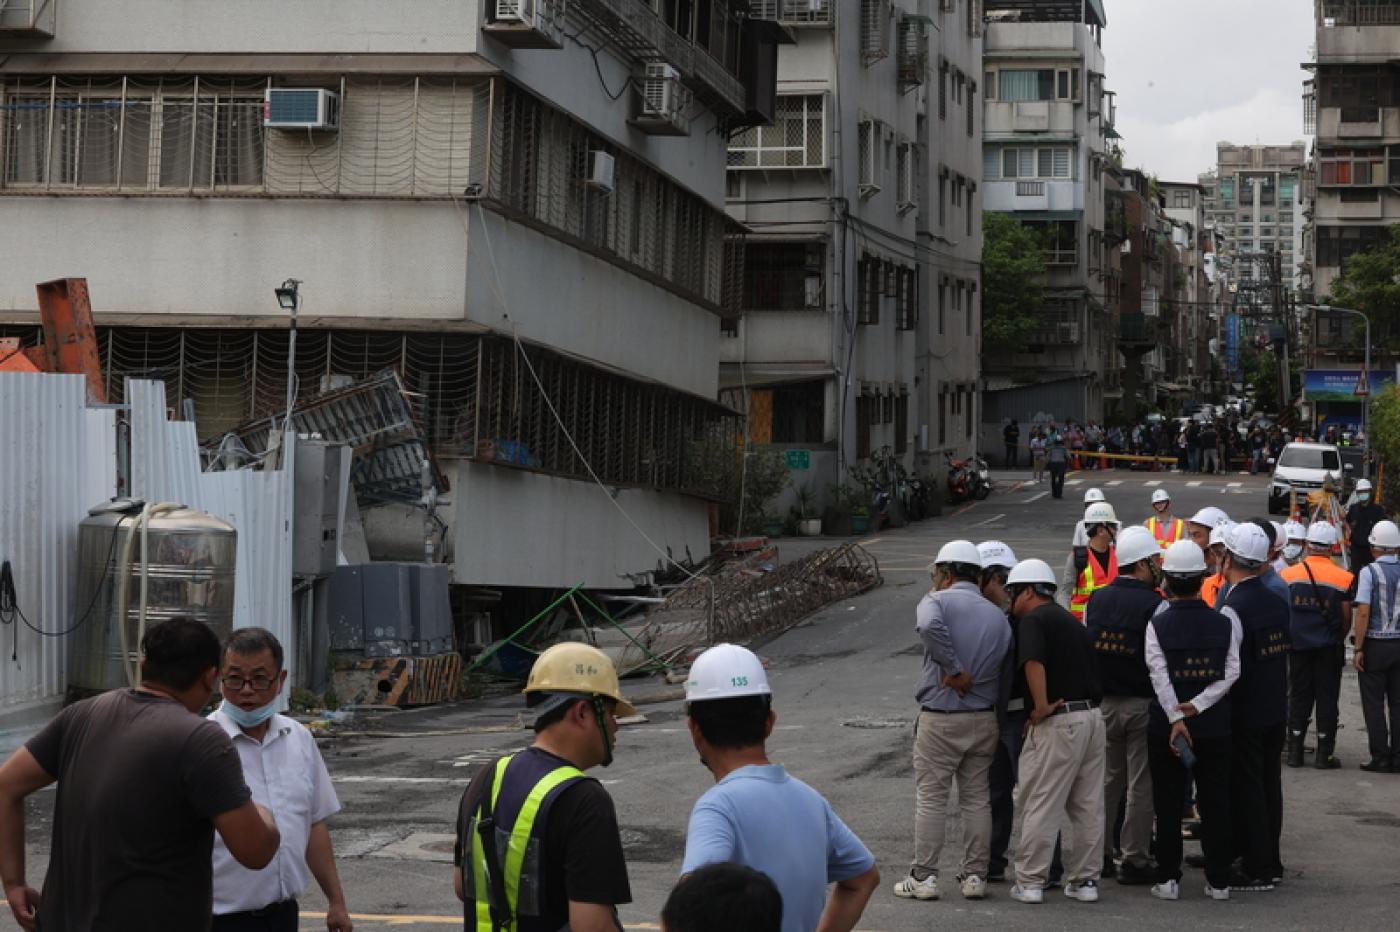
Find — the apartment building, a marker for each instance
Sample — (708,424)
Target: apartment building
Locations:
(516,205)
(1184,204)
(1257,201)
(1049,122)
(860,327)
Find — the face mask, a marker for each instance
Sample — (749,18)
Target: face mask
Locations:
(245,719)
(1364,496)
(1292,551)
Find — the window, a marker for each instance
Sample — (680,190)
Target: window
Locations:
(942,302)
(1029,84)
(971,108)
(971,201)
(908,298)
(1298,457)
(867,143)
(797,412)
(943,90)
(965,303)
(942,197)
(942,417)
(1364,196)
(797,138)
(1338,167)
(1227,192)
(874,30)
(783,276)
(989,78)
(1061,239)
(870,283)
(901,424)
(1181,199)
(1016,162)
(905,169)
(1336,244)
(865,411)
(912,51)
(958,183)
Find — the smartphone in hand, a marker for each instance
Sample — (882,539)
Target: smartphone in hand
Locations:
(1183,748)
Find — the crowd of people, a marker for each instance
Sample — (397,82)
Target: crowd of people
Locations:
(1166,674)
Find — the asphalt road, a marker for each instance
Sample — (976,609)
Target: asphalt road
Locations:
(844,682)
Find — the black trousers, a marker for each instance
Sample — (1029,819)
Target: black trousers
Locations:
(1256,799)
(1380,687)
(1315,679)
(1057,480)
(1212,774)
(1011,452)
(1002,782)
(280,917)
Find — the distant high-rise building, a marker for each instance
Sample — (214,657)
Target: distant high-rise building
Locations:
(1255,199)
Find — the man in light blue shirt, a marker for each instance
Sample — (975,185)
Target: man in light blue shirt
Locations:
(1377,655)
(758,815)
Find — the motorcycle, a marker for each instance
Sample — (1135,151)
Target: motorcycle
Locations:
(981,478)
(968,479)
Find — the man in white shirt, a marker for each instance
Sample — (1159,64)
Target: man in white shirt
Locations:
(284,770)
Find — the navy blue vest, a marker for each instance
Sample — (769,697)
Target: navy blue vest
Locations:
(1259,698)
(1195,639)
(1117,618)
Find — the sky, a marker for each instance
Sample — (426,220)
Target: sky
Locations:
(1191,73)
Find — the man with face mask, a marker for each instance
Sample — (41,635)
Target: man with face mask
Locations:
(286,774)
(1216,586)
(997,561)
(1295,536)
(540,800)
(1361,517)
(757,814)
(1098,566)
(1117,617)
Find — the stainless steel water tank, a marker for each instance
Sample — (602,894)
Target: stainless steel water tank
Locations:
(191,571)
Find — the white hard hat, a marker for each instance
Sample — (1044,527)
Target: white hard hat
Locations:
(1294,530)
(1184,558)
(1217,533)
(1134,544)
(1321,534)
(958,551)
(1029,572)
(1280,535)
(995,553)
(1363,485)
(1100,513)
(1094,495)
(1385,535)
(1248,542)
(1161,495)
(1209,516)
(726,671)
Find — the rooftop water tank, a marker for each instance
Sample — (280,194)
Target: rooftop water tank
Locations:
(189,566)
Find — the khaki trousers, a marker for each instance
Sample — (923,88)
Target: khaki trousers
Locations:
(959,745)
(1062,781)
(1126,771)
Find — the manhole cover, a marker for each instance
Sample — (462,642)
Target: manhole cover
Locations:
(876,723)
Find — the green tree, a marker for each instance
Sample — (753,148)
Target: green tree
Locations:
(1012,262)
(1385,440)
(1370,283)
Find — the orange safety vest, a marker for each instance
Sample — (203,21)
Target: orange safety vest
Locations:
(1210,589)
(1092,579)
(1166,533)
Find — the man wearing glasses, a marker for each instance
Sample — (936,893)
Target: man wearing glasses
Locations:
(284,769)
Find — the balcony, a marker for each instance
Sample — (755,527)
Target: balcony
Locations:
(1358,13)
(1062,333)
(1360,123)
(1026,195)
(793,12)
(1004,118)
(30,18)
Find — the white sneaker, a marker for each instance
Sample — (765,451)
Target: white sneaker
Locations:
(911,889)
(974,887)
(1166,890)
(1216,893)
(1027,894)
(1085,892)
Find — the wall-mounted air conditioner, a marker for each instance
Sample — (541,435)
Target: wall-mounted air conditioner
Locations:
(526,24)
(600,171)
(301,108)
(663,102)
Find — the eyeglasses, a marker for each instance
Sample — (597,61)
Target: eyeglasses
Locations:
(259,683)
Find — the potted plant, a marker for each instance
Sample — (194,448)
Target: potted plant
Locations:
(860,518)
(808,524)
(772,525)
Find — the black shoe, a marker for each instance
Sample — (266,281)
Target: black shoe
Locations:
(996,874)
(1378,765)
(1052,883)
(1110,869)
(1241,881)
(1130,874)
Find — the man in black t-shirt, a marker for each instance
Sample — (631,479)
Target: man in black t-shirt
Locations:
(1062,763)
(143,782)
(1361,517)
(1011,434)
(578,876)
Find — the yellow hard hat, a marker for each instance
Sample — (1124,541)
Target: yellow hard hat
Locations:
(578,669)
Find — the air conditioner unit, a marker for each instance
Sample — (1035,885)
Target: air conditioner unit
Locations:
(600,171)
(664,100)
(301,108)
(526,24)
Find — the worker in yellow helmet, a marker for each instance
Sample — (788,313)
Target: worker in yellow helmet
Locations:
(538,846)
(1166,529)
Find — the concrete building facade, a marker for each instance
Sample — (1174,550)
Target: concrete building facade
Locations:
(860,326)
(1049,122)
(526,225)
(1257,202)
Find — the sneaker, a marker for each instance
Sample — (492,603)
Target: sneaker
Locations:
(974,887)
(1130,874)
(911,889)
(1086,891)
(1378,765)
(1239,880)
(1166,890)
(1027,894)
(1217,893)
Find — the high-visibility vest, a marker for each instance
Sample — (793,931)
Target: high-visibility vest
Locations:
(1166,532)
(520,831)
(1210,589)
(1091,579)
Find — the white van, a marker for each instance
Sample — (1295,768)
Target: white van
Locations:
(1303,467)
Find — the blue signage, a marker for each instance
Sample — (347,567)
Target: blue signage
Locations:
(1232,345)
(1340,384)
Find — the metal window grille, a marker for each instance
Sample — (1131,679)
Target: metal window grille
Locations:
(943,90)
(1310,108)
(906,169)
(901,424)
(912,56)
(797,138)
(783,276)
(874,30)
(971,107)
(793,12)
(867,156)
(908,298)
(865,414)
(870,286)
(974,18)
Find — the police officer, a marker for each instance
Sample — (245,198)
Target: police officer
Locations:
(1320,617)
(540,803)
(1377,656)
(1259,706)
(1193,656)
(1117,618)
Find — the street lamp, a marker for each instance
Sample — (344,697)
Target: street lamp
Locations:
(1366,373)
(289,300)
